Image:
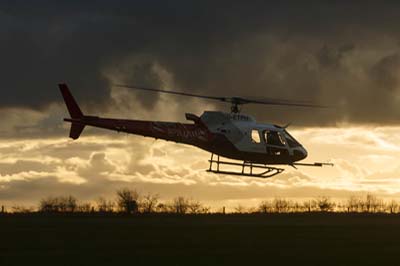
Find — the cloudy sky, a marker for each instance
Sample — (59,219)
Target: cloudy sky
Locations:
(344,54)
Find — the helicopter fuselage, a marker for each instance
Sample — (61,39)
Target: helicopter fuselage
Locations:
(234,136)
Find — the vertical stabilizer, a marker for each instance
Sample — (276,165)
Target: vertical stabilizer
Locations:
(74,111)
(73,108)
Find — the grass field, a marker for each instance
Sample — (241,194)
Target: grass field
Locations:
(296,239)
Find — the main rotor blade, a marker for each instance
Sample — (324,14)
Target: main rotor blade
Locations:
(223,99)
(268,101)
(233,100)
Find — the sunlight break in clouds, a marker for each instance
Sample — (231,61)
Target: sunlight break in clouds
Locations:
(98,165)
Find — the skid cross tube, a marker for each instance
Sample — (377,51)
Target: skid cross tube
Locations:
(266,173)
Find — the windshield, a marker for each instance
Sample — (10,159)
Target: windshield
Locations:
(274,138)
(290,140)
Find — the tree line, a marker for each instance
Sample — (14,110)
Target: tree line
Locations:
(354,204)
(127,202)
(130,201)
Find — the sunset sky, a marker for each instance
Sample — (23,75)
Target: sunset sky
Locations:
(344,54)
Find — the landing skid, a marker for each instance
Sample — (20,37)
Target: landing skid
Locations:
(246,168)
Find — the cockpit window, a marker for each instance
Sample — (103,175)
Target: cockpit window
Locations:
(274,138)
(255,136)
(291,141)
(281,138)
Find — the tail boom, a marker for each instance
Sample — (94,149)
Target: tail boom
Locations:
(177,132)
(194,134)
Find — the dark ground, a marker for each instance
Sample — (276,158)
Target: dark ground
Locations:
(296,239)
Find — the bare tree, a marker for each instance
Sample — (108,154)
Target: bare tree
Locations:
(324,204)
(149,203)
(127,200)
(393,206)
(297,207)
(341,207)
(372,204)
(85,207)
(70,203)
(48,205)
(354,204)
(281,205)
(58,204)
(195,207)
(240,209)
(205,210)
(265,207)
(21,209)
(310,205)
(104,205)
(180,205)
(163,208)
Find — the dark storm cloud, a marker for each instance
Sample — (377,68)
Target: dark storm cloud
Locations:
(343,53)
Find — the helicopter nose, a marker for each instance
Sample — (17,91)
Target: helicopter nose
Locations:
(300,154)
(304,151)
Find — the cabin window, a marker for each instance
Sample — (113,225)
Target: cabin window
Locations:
(274,138)
(255,136)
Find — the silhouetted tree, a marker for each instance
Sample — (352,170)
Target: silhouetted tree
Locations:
(104,205)
(85,207)
(265,207)
(324,204)
(195,207)
(127,200)
(297,207)
(49,204)
(21,209)
(240,209)
(354,204)
(58,204)
(70,203)
(149,203)
(309,205)
(371,203)
(341,207)
(393,206)
(207,209)
(281,205)
(163,208)
(180,205)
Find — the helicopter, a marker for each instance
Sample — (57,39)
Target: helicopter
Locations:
(236,136)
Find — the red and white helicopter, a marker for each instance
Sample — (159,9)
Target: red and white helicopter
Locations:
(232,135)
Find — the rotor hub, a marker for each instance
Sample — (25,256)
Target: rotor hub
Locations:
(235,108)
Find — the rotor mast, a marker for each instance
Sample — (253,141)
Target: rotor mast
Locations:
(235,108)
